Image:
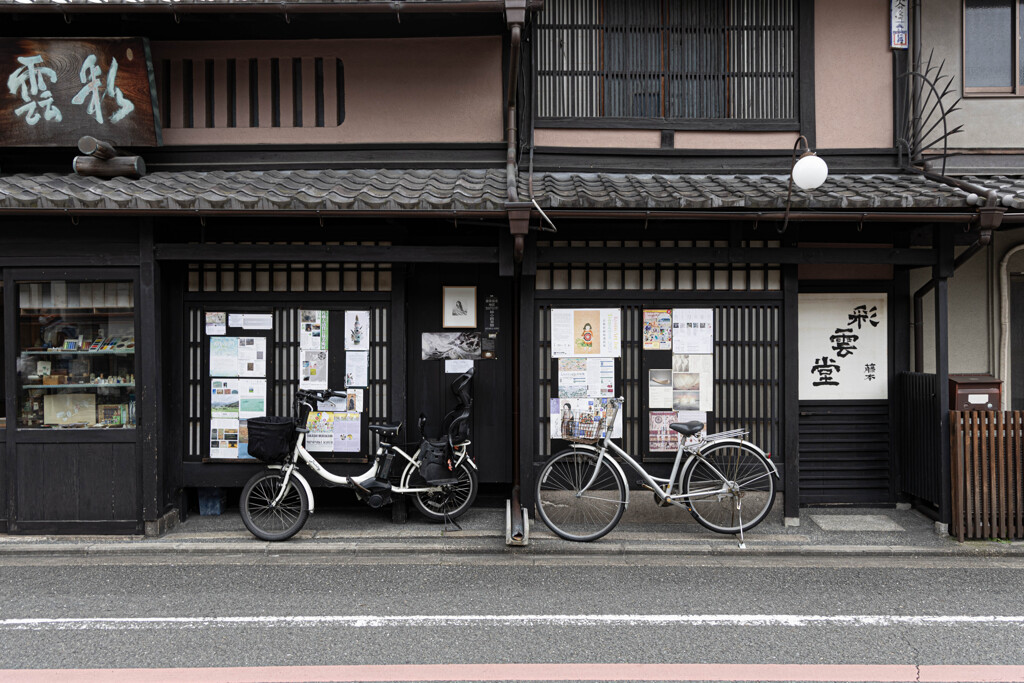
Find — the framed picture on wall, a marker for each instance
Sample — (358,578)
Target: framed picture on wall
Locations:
(458,307)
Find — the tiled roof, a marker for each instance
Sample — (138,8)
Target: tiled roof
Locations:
(234,5)
(478,190)
(321,190)
(171,3)
(840,192)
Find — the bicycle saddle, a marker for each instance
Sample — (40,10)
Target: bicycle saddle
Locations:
(687,428)
(384,430)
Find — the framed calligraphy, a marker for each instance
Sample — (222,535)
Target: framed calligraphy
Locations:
(53,91)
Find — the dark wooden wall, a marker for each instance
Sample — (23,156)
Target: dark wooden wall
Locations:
(429,388)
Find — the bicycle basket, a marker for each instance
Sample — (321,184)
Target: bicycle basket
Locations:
(585,429)
(589,428)
(272,438)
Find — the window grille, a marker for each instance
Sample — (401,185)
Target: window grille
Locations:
(670,60)
(747,368)
(251,85)
(291,277)
(284,353)
(616,272)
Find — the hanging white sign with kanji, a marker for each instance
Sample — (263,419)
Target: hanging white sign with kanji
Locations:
(844,349)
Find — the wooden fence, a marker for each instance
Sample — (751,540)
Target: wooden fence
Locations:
(987,473)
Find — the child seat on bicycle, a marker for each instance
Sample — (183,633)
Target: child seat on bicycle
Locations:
(437,454)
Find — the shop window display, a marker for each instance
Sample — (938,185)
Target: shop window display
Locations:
(76,366)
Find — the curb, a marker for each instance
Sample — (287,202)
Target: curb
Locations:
(476,546)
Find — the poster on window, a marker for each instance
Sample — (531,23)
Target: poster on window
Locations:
(346,434)
(313,331)
(583,377)
(312,369)
(844,352)
(252,356)
(693,330)
(357,334)
(586,332)
(659,388)
(661,438)
(320,437)
(658,330)
(693,382)
(223,356)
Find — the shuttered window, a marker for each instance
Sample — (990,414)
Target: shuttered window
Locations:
(670,61)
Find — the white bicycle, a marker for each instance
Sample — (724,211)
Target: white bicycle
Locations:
(440,475)
(726,482)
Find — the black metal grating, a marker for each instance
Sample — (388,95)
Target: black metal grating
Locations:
(747,383)
(684,60)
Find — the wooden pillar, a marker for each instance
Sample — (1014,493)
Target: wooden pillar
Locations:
(790,395)
(526,373)
(943,270)
(399,350)
(9,330)
(149,391)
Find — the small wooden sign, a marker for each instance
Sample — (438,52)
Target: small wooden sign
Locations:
(54,91)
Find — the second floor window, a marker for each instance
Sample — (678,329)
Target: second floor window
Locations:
(993,60)
(671,62)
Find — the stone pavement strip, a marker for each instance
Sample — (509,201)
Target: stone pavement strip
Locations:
(362,532)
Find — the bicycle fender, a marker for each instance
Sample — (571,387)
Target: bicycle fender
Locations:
(752,446)
(302,480)
(614,462)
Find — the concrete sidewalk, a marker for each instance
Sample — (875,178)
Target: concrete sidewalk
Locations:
(360,531)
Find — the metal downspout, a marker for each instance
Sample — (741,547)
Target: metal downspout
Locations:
(516,12)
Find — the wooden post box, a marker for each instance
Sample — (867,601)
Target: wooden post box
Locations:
(975,392)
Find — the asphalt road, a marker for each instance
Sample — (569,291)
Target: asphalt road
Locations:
(217,611)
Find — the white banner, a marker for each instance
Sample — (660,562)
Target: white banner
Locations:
(844,346)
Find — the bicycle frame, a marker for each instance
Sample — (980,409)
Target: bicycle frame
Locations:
(300,454)
(662,486)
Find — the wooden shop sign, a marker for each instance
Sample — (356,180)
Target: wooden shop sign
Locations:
(54,91)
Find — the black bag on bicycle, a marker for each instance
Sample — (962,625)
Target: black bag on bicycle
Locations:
(436,462)
(271,438)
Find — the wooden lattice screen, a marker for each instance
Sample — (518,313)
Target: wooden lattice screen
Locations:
(988,473)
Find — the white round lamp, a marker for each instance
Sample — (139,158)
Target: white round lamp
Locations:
(809,171)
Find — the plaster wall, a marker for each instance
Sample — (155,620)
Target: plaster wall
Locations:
(974,327)
(852,74)
(989,122)
(408,90)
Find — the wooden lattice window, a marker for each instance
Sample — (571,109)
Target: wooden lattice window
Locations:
(673,61)
(617,272)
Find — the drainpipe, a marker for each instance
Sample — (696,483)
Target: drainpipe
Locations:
(519,223)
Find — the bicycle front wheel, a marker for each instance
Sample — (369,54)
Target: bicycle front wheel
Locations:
(278,522)
(572,513)
(741,499)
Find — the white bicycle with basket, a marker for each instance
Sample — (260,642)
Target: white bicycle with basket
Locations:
(440,475)
(726,482)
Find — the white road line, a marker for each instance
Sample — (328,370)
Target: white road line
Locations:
(131,623)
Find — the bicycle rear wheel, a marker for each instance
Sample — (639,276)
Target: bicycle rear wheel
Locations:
(273,523)
(579,516)
(451,499)
(748,481)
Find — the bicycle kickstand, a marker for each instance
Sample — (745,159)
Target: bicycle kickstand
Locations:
(739,512)
(450,524)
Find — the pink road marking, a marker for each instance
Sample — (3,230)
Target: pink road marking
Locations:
(527,672)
